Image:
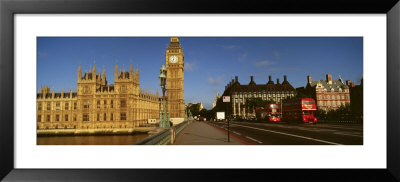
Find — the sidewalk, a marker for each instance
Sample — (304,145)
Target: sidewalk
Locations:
(200,133)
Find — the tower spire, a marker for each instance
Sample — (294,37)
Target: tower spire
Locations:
(79,72)
(104,73)
(94,71)
(116,73)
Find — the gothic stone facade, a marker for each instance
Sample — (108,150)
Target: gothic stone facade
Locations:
(98,105)
(269,91)
(329,94)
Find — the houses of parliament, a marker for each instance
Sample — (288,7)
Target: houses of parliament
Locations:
(122,105)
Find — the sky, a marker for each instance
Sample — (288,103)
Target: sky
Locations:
(210,62)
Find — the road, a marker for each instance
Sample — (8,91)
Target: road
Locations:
(294,134)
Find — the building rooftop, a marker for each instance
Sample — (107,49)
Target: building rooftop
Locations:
(335,85)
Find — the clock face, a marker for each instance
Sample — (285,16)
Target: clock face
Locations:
(173,59)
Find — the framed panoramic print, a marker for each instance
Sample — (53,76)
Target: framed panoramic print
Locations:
(137,91)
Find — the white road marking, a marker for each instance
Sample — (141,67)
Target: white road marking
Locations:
(338,126)
(236,133)
(341,133)
(253,139)
(288,134)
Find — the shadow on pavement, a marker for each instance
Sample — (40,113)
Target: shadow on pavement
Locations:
(220,139)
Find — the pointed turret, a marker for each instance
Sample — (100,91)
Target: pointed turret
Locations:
(79,72)
(94,70)
(123,72)
(137,74)
(116,72)
(104,74)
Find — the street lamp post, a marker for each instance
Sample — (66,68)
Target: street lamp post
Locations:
(164,115)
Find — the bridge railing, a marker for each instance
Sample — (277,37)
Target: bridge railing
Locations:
(164,137)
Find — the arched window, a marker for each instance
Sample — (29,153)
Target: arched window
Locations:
(328,97)
(320,96)
(333,97)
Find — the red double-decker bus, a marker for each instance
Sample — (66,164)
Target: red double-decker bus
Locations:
(300,109)
(274,114)
(271,113)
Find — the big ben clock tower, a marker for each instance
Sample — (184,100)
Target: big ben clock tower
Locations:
(174,60)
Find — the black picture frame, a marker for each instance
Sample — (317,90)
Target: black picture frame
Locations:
(8,8)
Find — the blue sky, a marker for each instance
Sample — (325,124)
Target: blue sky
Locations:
(210,62)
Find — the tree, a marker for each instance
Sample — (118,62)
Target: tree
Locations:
(252,103)
(320,114)
(356,100)
(342,113)
(203,112)
(194,109)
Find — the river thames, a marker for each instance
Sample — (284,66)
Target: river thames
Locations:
(91,140)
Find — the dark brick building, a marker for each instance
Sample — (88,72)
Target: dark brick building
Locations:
(268,91)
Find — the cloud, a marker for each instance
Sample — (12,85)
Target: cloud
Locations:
(190,100)
(283,69)
(191,66)
(276,54)
(217,81)
(216,90)
(242,57)
(207,105)
(229,47)
(263,63)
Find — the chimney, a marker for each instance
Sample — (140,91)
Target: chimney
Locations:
(309,79)
(236,79)
(352,84)
(251,78)
(269,78)
(329,78)
(284,78)
(277,81)
(348,82)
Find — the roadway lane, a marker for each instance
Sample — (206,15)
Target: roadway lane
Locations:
(296,134)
